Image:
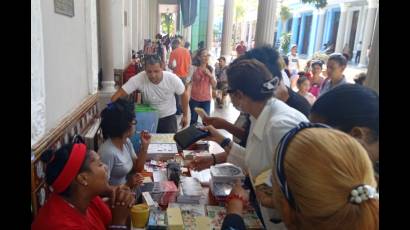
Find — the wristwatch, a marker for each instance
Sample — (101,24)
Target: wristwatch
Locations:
(225,142)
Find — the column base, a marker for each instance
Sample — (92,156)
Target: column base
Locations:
(108,87)
(104,95)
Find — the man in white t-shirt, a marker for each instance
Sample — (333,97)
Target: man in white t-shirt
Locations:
(293,61)
(158,88)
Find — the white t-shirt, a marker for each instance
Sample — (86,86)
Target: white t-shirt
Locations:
(285,78)
(161,96)
(359,47)
(293,63)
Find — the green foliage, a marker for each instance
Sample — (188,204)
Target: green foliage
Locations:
(285,13)
(167,22)
(285,42)
(318,3)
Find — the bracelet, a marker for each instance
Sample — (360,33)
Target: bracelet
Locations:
(213,156)
(225,142)
(118,226)
(236,197)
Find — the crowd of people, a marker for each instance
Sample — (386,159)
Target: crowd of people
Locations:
(320,143)
(313,81)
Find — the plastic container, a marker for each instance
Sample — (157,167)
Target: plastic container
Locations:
(147,119)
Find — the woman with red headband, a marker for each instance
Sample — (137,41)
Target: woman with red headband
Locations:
(77,177)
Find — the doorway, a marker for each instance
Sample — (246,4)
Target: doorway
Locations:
(353,30)
(335,27)
(306,34)
(298,30)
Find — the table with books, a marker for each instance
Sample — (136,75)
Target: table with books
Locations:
(198,200)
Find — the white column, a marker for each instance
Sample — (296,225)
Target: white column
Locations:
(154,18)
(249,42)
(127,45)
(210,29)
(135,24)
(320,29)
(368,32)
(359,30)
(158,22)
(186,34)
(265,24)
(107,50)
(342,28)
(348,27)
(38,97)
(362,22)
(372,80)
(91,45)
(226,44)
(118,33)
(145,20)
(243,31)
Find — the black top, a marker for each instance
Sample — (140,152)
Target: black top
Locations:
(298,102)
(233,222)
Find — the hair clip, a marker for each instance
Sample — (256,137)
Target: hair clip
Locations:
(270,85)
(363,193)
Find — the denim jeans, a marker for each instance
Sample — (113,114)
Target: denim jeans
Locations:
(206,105)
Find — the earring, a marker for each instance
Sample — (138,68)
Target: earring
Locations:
(85,183)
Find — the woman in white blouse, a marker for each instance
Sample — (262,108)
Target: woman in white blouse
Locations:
(251,88)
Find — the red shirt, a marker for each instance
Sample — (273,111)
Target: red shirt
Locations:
(201,86)
(129,72)
(183,61)
(58,214)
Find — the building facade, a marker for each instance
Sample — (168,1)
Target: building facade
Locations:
(342,23)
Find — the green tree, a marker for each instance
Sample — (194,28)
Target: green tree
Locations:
(239,15)
(167,22)
(285,42)
(285,14)
(318,3)
(242,7)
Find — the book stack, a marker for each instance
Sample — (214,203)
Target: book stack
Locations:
(202,223)
(175,219)
(163,192)
(162,146)
(189,214)
(157,220)
(190,191)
